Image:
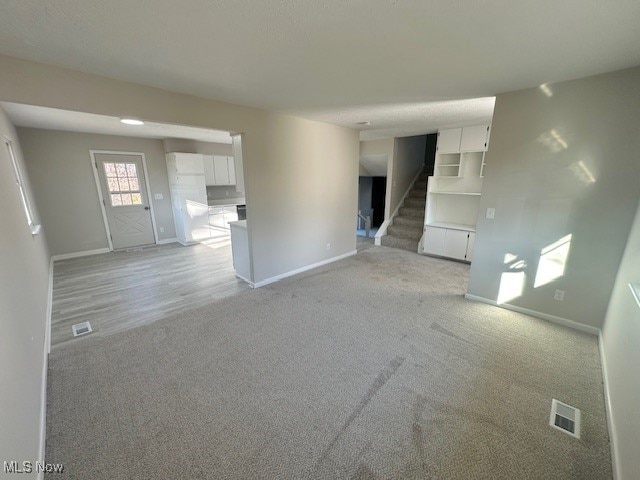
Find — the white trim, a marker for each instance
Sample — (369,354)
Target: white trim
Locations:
(382,231)
(84,253)
(251,284)
(545,316)
(94,168)
(607,403)
(167,240)
(262,283)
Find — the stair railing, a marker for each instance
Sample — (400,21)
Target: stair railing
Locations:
(367,222)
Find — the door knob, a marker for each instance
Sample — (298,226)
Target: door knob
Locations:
(146,208)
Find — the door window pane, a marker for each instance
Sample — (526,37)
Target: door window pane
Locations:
(123,183)
(131,170)
(110,169)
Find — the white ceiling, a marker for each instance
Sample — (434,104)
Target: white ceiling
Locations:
(338,61)
(54,119)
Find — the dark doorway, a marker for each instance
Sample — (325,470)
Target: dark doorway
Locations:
(378,194)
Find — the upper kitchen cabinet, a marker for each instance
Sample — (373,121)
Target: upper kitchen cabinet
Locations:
(185,163)
(209,176)
(219,170)
(449,140)
(475,139)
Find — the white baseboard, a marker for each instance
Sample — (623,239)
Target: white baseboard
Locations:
(166,241)
(251,284)
(84,253)
(607,403)
(262,283)
(545,316)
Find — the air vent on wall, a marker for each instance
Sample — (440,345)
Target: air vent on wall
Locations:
(565,418)
(81,329)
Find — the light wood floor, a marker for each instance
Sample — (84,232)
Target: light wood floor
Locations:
(121,290)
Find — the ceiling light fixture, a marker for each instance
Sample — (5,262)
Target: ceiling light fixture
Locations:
(364,123)
(131,121)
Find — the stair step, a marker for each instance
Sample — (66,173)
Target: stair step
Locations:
(411,212)
(402,243)
(417,193)
(400,231)
(408,222)
(414,202)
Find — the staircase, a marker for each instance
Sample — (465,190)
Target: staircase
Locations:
(406,231)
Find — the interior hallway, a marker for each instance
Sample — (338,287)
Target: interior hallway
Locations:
(371,367)
(120,290)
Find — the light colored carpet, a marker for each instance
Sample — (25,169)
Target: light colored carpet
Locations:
(372,367)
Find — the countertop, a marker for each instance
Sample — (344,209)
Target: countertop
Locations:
(221,202)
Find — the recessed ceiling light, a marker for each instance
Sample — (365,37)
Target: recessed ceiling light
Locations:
(131,121)
(363,123)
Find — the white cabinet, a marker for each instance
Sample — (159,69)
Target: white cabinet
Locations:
(449,140)
(434,240)
(449,242)
(455,245)
(209,176)
(185,163)
(470,245)
(474,139)
(465,139)
(219,170)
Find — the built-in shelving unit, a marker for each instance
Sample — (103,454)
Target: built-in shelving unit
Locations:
(454,192)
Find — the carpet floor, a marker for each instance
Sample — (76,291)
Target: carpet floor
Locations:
(372,367)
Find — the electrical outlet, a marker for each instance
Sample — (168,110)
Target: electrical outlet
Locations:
(161,229)
(157,196)
(328,246)
(491,213)
(559,295)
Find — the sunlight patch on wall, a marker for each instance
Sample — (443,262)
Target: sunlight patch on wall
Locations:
(580,170)
(511,286)
(553,141)
(553,260)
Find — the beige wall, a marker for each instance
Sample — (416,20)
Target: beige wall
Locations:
(620,344)
(65,190)
(194,146)
(560,165)
(276,148)
(24,284)
(408,160)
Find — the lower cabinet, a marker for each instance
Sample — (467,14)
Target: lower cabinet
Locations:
(449,242)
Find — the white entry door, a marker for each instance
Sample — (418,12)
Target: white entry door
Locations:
(126,200)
